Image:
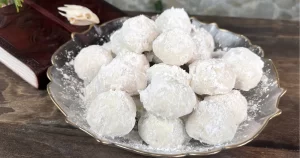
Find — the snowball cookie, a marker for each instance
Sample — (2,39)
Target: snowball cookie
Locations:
(168,71)
(162,133)
(247,66)
(89,60)
(116,44)
(212,76)
(235,103)
(211,123)
(204,43)
(116,75)
(138,33)
(168,98)
(174,47)
(112,113)
(173,18)
(138,61)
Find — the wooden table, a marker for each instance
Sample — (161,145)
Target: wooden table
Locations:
(31,125)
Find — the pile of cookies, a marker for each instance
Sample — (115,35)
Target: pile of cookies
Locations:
(203,103)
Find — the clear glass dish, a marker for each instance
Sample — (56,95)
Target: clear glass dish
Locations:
(65,91)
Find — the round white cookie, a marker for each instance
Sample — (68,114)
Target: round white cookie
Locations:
(118,75)
(174,47)
(138,33)
(116,43)
(247,66)
(212,76)
(162,133)
(168,98)
(204,43)
(112,113)
(173,18)
(235,103)
(89,60)
(210,123)
(138,61)
(168,71)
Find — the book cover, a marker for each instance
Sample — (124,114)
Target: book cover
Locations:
(28,38)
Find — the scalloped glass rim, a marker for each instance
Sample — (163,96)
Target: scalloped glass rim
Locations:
(228,39)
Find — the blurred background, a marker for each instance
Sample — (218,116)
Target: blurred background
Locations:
(263,9)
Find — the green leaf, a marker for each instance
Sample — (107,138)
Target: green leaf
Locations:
(3,2)
(18,4)
(159,6)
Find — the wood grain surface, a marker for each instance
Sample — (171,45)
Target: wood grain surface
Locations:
(31,125)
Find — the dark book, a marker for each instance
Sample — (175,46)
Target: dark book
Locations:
(28,38)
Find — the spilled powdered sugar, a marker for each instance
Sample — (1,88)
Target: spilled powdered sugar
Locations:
(258,99)
(259,95)
(67,90)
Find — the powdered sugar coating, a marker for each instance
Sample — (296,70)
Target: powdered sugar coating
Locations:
(204,43)
(138,33)
(247,66)
(117,75)
(235,102)
(262,99)
(174,47)
(138,61)
(120,75)
(212,76)
(211,123)
(162,133)
(89,60)
(168,98)
(112,113)
(117,42)
(168,71)
(173,18)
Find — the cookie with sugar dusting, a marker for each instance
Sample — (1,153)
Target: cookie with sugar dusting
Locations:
(211,123)
(138,61)
(116,43)
(174,47)
(138,33)
(204,44)
(89,61)
(235,103)
(211,77)
(126,72)
(168,71)
(247,66)
(162,133)
(173,18)
(168,98)
(112,113)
